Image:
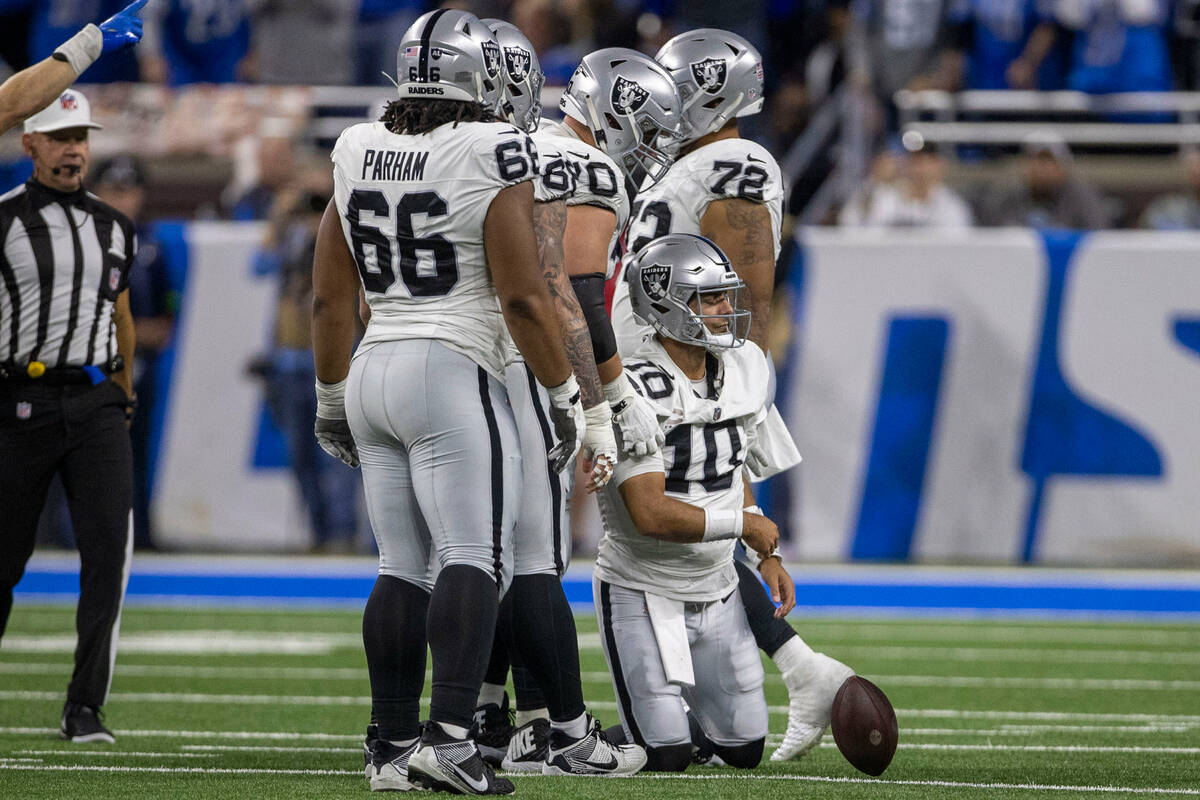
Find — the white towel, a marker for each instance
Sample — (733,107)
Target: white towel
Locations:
(670,629)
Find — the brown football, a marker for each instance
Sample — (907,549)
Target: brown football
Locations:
(864,725)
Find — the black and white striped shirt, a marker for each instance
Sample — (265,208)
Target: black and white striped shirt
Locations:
(64,259)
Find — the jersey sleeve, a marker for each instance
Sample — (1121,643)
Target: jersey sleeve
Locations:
(504,155)
(554,180)
(630,467)
(598,183)
(738,168)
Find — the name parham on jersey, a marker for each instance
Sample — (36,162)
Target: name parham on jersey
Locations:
(412,209)
(702,461)
(726,168)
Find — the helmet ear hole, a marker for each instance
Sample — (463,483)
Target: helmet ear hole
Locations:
(714,103)
(612,121)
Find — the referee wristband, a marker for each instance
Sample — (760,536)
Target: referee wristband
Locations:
(331,400)
(722,524)
(82,49)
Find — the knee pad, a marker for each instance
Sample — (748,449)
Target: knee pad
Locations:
(670,758)
(742,756)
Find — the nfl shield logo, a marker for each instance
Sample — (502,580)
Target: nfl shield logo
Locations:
(68,102)
(491,58)
(114,279)
(709,74)
(656,279)
(24,410)
(627,96)
(518,61)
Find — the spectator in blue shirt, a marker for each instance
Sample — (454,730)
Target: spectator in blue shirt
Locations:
(1120,45)
(198,41)
(57,20)
(381,26)
(995,34)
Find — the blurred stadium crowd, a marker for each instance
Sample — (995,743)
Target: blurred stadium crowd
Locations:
(228,109)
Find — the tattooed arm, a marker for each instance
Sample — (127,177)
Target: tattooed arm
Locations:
(742,229)
(549,224)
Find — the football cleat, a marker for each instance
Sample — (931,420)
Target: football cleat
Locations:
(388,769)
(492,729)
(811,690)
(446,764)
(369,747)
(528,746)
(81,723)
(591,754)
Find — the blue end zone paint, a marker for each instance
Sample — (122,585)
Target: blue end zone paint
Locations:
(885,592)
(908,393)
(1065,435)
(1187,333)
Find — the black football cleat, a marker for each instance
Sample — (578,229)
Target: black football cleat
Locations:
(446,764)
(492,729)
(528,747)
(389,766)
(81,723)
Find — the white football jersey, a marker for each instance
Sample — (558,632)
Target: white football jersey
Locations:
(412,209)
(582,174)
(707,438)
(726,168)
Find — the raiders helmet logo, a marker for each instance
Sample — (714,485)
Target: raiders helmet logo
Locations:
(709,74)
(627,96)
(656,279)
(518,61)
(491,58)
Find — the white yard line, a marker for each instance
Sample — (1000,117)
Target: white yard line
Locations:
(1032,787)
(173,671)
(112,753)
(249,748)
(1102,684)
(1046,716)
(940,631)
(160,734)
(1056,655)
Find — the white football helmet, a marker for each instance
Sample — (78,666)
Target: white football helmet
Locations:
(671,272)
(450,55)
(719,74)
(631,106)
(523,76)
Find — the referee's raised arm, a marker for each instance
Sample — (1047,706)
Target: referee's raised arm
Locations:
(32,89)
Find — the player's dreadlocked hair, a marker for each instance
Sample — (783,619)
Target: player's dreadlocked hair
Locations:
(422,116)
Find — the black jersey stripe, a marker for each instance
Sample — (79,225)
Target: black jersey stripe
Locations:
(38,234)
(426,35)
(614,663)
(14,296)
(104,232)
(489,414)
(552,476)
(76,288)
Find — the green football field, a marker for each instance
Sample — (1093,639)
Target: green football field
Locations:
(241,703)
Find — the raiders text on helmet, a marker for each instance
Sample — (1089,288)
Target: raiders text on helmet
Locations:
(631,106)
(450,55)
(671,272)
(523,76)
(719,76)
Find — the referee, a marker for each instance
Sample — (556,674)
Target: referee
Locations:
(66,334)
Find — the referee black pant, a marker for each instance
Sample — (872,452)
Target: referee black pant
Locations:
(79,432)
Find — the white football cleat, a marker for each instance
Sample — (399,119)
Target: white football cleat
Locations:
(811,689)
(592,754)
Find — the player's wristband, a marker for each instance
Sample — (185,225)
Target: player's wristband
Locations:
(722,524)
(619,392)
(82,49)
(331,400)
(566,394)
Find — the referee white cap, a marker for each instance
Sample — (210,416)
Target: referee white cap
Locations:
(70,110)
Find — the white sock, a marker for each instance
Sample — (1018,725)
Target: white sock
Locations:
(491,693)
(792,655)
(454,731)
(402,743)
(526,717)
(575,728)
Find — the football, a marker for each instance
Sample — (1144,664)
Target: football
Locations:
(864,725)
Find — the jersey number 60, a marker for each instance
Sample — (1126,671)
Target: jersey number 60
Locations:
(376,267)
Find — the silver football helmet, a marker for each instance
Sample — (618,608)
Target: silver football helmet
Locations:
(667,281)
(720,76)
(631,106)
(450,55)
(523,76)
